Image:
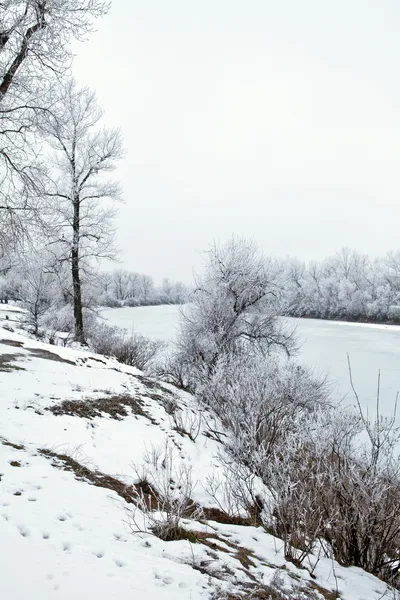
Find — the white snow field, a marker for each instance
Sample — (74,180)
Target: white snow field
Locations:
(72,426)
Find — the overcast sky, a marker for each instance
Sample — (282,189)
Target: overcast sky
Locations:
(277,120)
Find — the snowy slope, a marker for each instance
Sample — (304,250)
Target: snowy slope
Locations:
(66,525)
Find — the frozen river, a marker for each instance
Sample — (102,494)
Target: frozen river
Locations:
(324,348)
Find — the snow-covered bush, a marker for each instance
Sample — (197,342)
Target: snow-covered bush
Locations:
(57,324)
(131,349)
(337,482)
(234,311)
(35,287)
(164,490)
(261,401)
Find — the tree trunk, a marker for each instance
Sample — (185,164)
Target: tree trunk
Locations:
(78,312)
(76,280)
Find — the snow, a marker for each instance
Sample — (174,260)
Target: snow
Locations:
(62,537)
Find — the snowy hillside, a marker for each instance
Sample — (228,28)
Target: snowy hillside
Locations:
(78,432)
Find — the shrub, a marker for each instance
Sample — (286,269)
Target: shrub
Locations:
(171,486)
(338,482)
(260,400)
(133,349)
(58,325)
(233,311)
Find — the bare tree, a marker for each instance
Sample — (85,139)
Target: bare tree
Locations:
(34,52)
(81,197)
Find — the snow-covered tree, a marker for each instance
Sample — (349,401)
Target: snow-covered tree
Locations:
(234,310)
(35,53)
(81,200)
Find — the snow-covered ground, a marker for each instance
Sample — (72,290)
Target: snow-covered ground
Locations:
(73,426)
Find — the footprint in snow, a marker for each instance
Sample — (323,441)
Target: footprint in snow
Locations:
(99,554)
(66,546)
(45,535)
(63,517)
(24,531)
(119,562)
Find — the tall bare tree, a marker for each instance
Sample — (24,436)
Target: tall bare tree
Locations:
(81,196)
(34,52)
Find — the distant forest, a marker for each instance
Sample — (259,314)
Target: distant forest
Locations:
(346,286)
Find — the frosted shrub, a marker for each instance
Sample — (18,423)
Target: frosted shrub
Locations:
(261,402)
(164,494)
(233,311)
(338,481)
(133,349)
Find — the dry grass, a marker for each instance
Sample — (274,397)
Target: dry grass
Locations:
(116,407)
(96,478)
(47,355)
(11,444)
(13,343)
(6,361)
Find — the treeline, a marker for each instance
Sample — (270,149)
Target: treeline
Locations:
(42,285)
(346,286)
(127,288)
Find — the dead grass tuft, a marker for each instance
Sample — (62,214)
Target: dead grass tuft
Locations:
(12,445)
(220,516)
(116,406)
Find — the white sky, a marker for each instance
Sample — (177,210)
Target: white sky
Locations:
(277,120)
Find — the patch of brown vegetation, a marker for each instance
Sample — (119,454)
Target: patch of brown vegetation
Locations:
(183,432)
(15,463)
(327,594)
(147,494)
(96,478)
(6,361)
(13,343)
(47,355)
(129,493)
(213,541)
(117,406)
(12,445)
(220,516)
(258,591)
(156,391)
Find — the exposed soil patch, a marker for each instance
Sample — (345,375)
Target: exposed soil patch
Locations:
(41,353)
(6,363)
(115,406)
(13,343)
